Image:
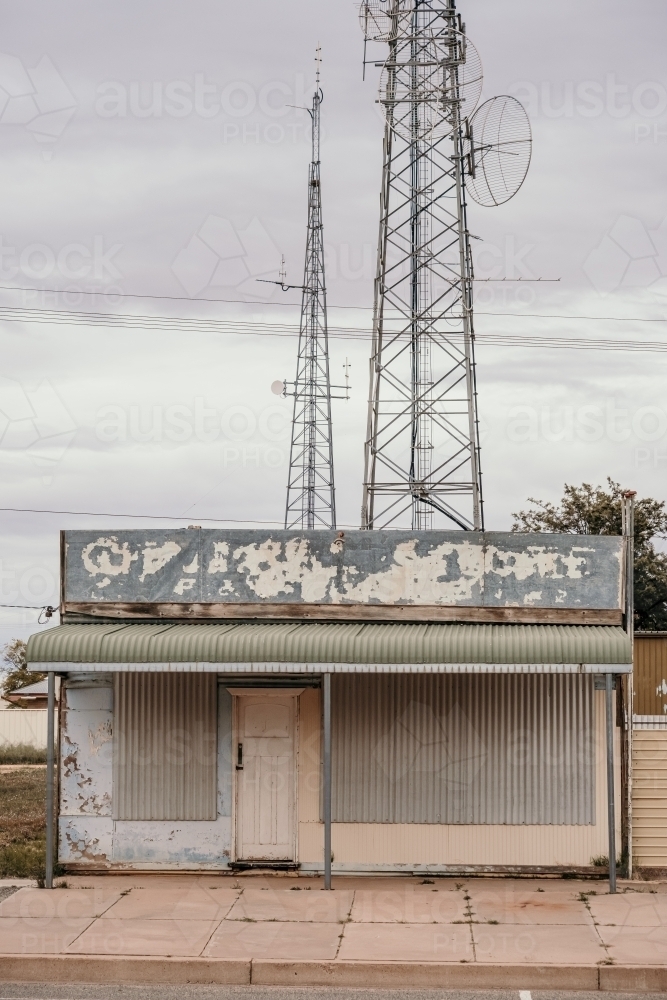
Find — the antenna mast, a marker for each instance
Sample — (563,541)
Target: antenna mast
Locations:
(422,442)
(310,484)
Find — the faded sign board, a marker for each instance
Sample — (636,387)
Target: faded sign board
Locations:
(397,568)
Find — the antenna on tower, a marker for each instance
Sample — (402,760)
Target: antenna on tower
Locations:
(310,485)
(422,454)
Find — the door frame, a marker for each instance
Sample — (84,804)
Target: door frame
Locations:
(254,692)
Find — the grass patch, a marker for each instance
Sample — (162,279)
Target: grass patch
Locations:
(23,860)
(22,822)
(22,806)
(22,753)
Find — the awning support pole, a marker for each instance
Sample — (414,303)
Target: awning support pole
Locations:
(628,527)
(326,692)
(50,746)
(611,808)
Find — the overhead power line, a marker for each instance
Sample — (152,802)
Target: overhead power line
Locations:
(70,315)
(144,517)
(46,611)
(148,517)
(180,324)
(110,294)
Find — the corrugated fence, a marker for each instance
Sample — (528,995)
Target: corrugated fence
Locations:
(23,725)
(463,749)
(650,682)
(649,796)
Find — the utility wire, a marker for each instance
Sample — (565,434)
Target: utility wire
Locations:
(46,611)
(110,294)
(149,517)
(296,305)
(182,324)
(17,312)
(27,607)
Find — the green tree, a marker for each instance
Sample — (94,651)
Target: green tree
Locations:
(593,510)
(14,668)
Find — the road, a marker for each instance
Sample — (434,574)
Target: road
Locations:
(63,991)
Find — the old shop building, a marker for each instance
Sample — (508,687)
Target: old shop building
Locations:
(430,701)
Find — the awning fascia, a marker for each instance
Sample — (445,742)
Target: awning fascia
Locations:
(335,668)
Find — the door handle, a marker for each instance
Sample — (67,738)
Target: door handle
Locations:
(239,757)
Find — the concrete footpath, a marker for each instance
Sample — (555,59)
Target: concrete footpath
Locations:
(380,932)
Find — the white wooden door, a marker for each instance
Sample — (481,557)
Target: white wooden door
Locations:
(264,760)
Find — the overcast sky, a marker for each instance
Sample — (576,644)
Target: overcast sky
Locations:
(150,149)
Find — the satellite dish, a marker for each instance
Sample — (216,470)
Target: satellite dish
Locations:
(381,20)
(424,79)
(497,150)
(277,387)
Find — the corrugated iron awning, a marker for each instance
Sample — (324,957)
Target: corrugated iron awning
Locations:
(339,647)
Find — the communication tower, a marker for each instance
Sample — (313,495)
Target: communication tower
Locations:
(311,499)
(422,452)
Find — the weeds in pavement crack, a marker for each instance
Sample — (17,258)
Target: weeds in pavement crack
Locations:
(584,897)
(468,914)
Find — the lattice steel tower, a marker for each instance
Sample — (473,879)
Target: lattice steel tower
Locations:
(422,442)
(310,485)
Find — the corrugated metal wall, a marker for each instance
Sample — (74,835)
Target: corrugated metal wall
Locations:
(650,675)
(490,749)
(165,746)
(649,798)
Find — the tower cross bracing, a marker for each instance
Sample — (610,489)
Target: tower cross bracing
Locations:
(422,463)
(310,487)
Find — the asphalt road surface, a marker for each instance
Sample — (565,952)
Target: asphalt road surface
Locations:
(60,991)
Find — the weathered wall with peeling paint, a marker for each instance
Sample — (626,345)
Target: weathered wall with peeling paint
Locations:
(492,569)
(87,832)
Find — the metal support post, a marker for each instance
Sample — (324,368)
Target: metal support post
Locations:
(326,691)
(628,527)
(50,746)
(611,806)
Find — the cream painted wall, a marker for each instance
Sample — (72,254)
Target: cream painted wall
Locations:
(649,799)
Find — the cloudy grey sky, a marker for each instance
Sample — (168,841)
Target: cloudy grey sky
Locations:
(150,150)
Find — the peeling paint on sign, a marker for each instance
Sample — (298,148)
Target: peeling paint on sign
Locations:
(156,557)
(447,574)
(537,561)
(493,569)
(105,555)
(274,570)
